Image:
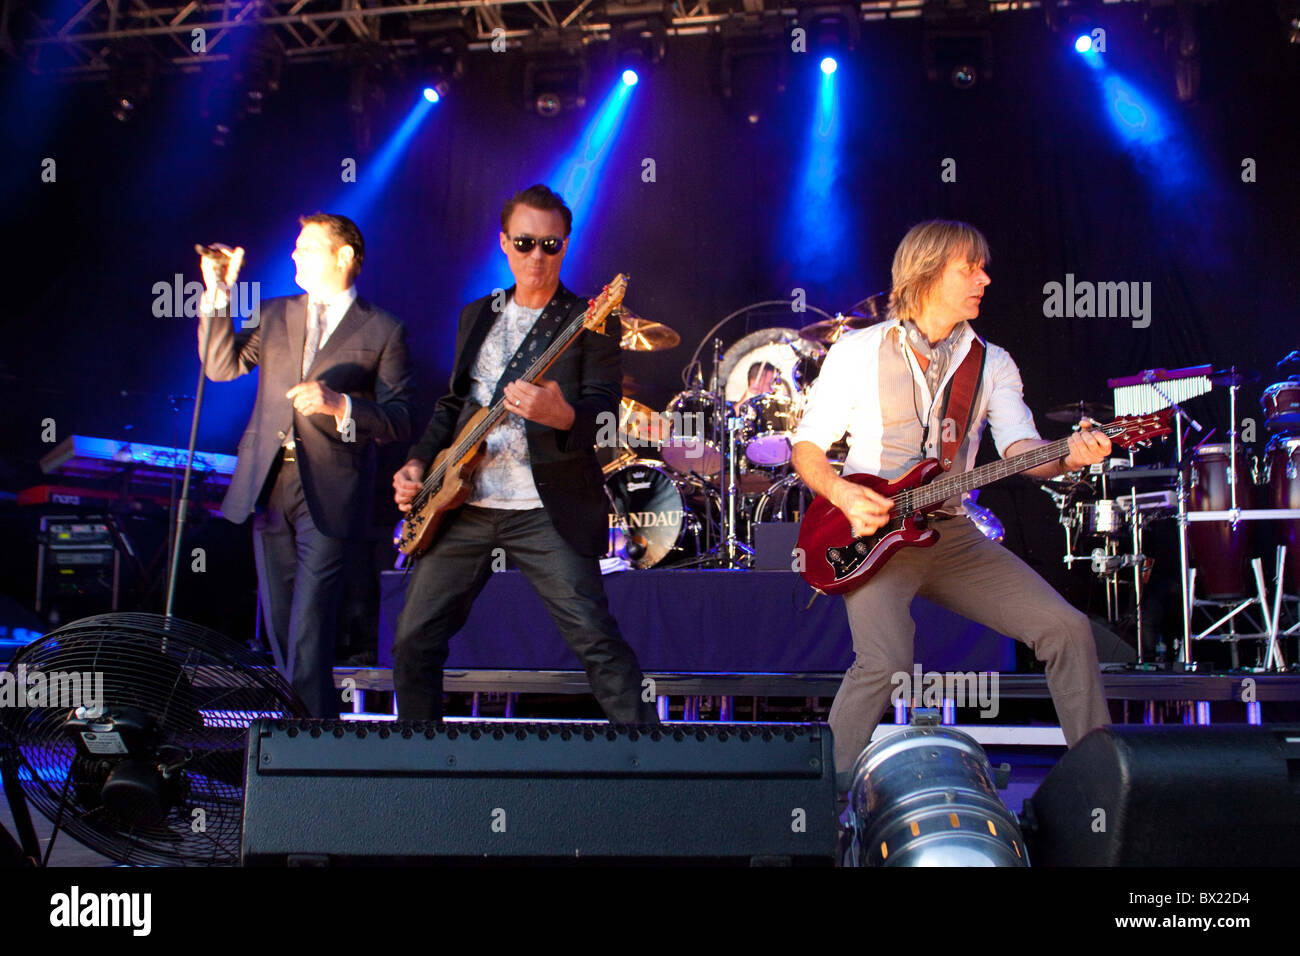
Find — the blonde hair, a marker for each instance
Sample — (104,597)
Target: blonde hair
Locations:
(921,257)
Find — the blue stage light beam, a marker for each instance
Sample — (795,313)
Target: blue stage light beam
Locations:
(576,178)
(276,276)
(818,241)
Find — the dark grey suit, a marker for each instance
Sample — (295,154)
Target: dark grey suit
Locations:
(307,511)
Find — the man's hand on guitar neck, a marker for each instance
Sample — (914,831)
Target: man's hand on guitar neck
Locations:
(1087,447)
(542,402)
(867,510)
(407,483)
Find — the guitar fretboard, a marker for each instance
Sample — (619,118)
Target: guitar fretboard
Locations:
(940,490)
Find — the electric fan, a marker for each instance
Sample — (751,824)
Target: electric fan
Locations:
(129,732)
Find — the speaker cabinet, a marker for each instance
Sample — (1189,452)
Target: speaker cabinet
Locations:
(350,792)
(1171,796)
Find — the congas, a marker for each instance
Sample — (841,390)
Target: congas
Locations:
(692,429)
(1281,405)
(1282,470)
(769,423)
(648,517)
(1220,553)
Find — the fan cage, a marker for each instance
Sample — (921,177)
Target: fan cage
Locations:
(200,689)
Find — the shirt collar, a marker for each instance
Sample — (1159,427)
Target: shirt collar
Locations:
(336,306)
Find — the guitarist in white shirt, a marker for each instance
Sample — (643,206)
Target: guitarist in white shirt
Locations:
(885,386)
(538,492)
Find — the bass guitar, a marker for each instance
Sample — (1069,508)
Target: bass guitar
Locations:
(447,484)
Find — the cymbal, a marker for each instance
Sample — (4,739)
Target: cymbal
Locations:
(639,424)
(872,307)
(1071,412)
(828,331)
(644,335)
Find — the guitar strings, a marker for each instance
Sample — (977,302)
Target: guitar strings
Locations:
(434,481)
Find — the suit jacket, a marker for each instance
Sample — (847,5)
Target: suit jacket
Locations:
(564,464)
(365,357)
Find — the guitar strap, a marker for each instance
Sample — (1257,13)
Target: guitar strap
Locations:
(959,403)
(534,344)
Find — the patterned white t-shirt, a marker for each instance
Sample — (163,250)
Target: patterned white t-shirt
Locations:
(505,478)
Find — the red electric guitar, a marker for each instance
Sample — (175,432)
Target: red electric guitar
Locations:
(835,562)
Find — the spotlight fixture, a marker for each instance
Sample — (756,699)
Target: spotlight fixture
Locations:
(752,63)
(829,65)
(441,46)
(555,72)
(132,71)
(957,45)
(830,28)
(630,78)
(638,32)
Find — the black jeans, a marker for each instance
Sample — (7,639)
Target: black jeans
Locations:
(444,583)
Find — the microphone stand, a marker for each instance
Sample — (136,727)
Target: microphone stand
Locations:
(182,508)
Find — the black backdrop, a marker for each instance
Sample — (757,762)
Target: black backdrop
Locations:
(1039,169)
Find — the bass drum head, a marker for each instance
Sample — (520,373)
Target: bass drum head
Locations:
(647,514)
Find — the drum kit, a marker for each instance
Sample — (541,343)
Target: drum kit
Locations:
(1231,505)
(688,486)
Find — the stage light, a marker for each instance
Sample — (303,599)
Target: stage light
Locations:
(630,78)
(431,94)
(555,73)
(1083,43)
(927,796)
(829,65)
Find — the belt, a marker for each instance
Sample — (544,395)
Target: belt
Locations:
(290,454)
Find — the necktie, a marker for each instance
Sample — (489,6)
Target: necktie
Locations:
(315,330)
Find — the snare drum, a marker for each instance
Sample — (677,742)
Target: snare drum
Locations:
(1281,405)
(692,429)
(769,422)
(1220,552)
(1103,517)
(647,514)
(1282,468)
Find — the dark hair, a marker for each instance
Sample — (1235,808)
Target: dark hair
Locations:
(538,197)
(344,232)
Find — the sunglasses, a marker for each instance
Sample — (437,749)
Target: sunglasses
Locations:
(551,245)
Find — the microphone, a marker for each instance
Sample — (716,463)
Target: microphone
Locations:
(216,251)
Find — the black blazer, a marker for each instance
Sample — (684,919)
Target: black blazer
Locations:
(365,357)
(564,465)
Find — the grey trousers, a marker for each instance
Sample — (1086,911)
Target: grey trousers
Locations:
(981,580)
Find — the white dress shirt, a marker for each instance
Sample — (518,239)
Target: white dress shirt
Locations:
(863,389)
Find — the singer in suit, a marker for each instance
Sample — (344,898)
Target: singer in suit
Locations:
(539,493)
(335,380)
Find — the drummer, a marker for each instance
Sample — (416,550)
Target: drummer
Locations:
(763,378)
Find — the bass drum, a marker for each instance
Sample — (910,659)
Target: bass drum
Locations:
(648,517)
(1220,553)
(1282,468)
